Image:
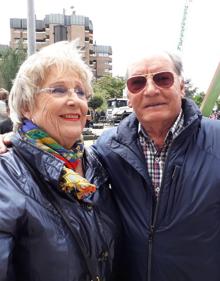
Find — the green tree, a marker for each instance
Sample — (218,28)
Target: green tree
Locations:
(109,87)
(95,102)
(198,98)
(10,61)
(193,92)
(190,90)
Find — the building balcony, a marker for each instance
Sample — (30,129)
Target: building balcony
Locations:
(40,36)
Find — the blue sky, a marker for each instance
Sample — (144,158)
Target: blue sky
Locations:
(131,27)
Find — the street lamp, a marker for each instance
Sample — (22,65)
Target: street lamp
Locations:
(31,27)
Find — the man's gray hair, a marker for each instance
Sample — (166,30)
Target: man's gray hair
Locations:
(175,58)
(177,62)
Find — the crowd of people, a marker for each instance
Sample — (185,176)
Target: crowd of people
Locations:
(141,204)
(215,115)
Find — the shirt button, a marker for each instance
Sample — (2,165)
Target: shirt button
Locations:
(157,159)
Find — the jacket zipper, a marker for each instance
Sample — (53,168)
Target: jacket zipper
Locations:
(153,224)
(150,240)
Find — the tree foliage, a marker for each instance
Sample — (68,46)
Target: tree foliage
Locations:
(10,61)
(190,90)
(198,98)
(95,102)
(193,92)
(109,87)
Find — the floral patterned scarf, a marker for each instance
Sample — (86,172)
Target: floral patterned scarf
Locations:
(70,182)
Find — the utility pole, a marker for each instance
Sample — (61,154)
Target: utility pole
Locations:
(31,27)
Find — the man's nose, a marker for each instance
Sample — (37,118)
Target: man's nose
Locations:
(150,88)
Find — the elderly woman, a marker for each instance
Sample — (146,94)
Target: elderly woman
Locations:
(57,220)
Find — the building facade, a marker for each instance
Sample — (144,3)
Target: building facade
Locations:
(102,60)
(58,27)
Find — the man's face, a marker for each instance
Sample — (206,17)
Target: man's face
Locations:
(156,106)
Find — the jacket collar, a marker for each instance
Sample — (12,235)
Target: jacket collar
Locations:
(191,111)
(93,169)
(127,131)
(51,167)
(126,142)
(47,165)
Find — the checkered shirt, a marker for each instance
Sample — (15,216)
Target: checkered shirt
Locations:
(155,159)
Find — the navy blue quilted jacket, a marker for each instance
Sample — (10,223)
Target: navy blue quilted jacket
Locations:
(35,243)
(177,239)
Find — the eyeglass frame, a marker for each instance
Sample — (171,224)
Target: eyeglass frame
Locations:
(68,92)
(151,75)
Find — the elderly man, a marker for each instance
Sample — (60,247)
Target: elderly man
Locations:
(163,163)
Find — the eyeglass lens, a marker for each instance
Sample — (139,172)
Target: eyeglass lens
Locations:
(161,79)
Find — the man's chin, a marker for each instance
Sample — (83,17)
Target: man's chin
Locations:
(153,117)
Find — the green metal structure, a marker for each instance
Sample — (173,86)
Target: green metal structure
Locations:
(212,94)
(214,88)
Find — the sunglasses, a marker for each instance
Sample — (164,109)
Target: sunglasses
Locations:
(137,83)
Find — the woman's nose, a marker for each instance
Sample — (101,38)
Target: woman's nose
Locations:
(72,98)
(71,92)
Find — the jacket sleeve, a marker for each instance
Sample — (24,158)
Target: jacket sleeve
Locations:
(11,211)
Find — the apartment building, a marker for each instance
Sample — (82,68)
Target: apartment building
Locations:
(58,27)
(102,59)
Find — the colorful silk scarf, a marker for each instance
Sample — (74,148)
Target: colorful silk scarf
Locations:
(70,182)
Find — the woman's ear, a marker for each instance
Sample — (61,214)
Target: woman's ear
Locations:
(26,112)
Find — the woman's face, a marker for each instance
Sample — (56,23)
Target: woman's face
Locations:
(61,113)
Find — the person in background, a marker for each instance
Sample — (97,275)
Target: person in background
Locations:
(163,162)
(88,119)
(3,108)
(3,94)
(215,115)
(57,218)
(6,125)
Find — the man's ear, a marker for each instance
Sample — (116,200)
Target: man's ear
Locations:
(182,88)
(129,99)
(129,103)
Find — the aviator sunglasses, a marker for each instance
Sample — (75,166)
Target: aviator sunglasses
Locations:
(163,79)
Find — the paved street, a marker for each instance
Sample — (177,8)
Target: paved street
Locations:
(96,132)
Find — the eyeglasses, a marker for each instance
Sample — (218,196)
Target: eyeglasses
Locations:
(64,91)
(163,79)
